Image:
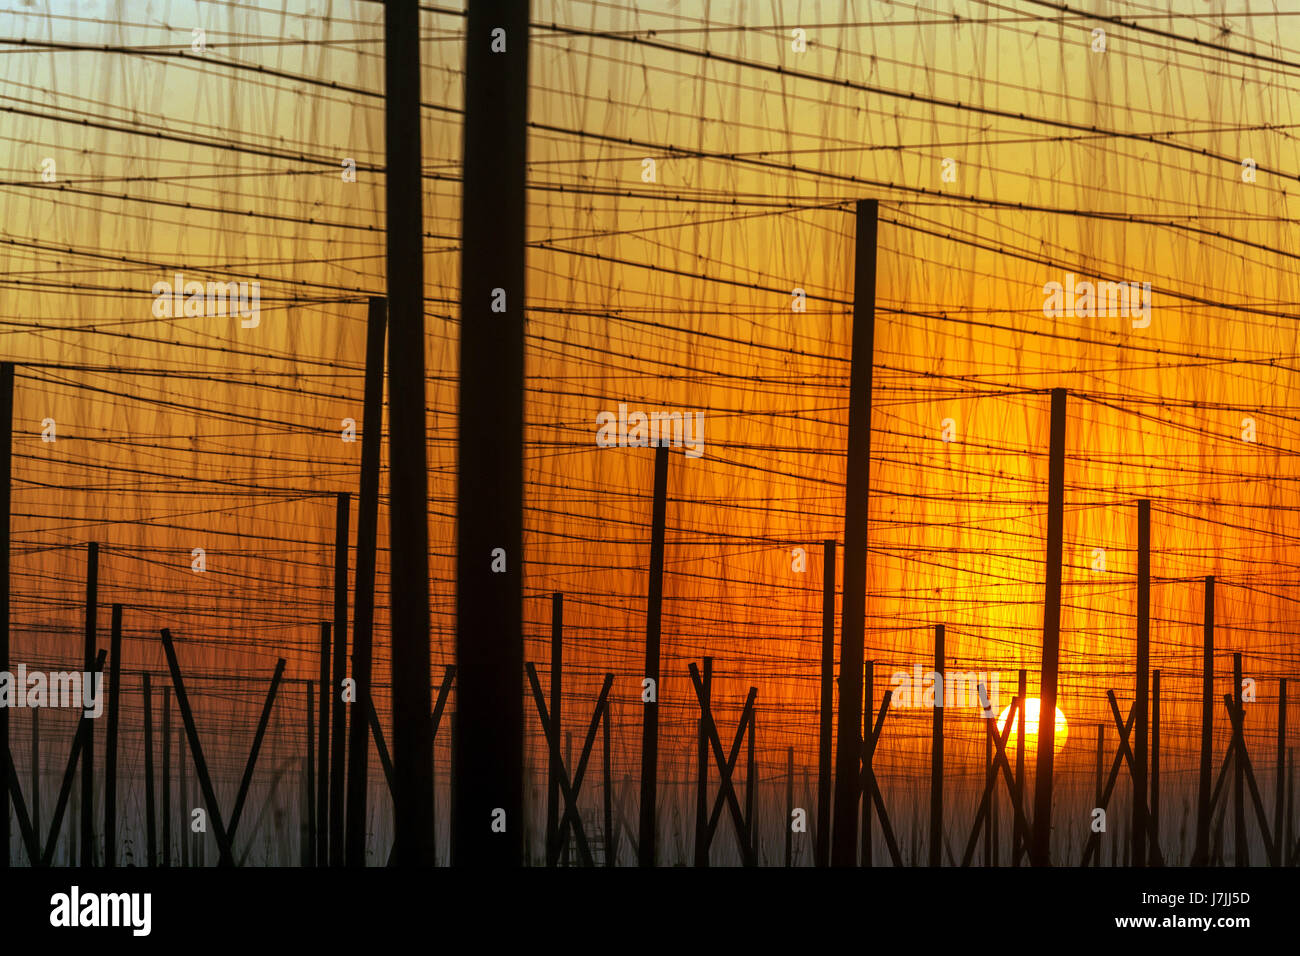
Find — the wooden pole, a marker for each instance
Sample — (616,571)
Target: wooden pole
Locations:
(88,747)
(653,617)
(827,706)
(408,475)
(490,486)
(1242,853)
(6,491)
(363,602)
(1279,791)
(110,747)
(868,702)
(166,777)
(1097,799)
(1040,847)
(323,751)
(338,712)
(183,795)
(557,704)
(150,809)
(1142,703)
(1018,847)
(1153,814)
(309,839)
(857,482)
(789,806)
(936,752)
(702,769)
(1201,850)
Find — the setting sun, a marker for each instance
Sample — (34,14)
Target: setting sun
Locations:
(1031,727)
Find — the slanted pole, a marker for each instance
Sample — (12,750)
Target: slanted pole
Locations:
(553,758)
(363,602)
(110,748)
(848,752)
(323,751)
(338,712)
(150,810)
(1018,847)
(936,752)
(827,706)
(88,746)
(408,447)
(1201,850)
(1141,700)
(1040,841)
(702,768)
(6,489)
(490,485)
(650,709)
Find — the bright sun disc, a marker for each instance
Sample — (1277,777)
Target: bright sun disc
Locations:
(1031,727)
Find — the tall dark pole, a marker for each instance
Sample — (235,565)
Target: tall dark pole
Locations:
(490,487)
(408,457)
(363,603)
(110,745)
(1279,789)
(1142,685)
(1040,842)
(309,855)
(88,748)
(848,751)
(936,753)
(323,751)
(827,707)
(339,712)
(1153,812)
(150,810)
(6,480)
(1201,851)
(557,703)
(653,615)
(1242,851)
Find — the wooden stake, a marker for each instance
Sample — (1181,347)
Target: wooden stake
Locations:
(827,706)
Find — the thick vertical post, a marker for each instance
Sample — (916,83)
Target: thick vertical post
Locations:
(363,602)
(88,749)
(1242,852)
(338,712)
(36,770)
(310,853)
(6,488)
(150,810)
(323,751)
(789,806)
(1153,811)
(1279,790)
(936,752)
(557,705)
(848,752)
(1018,799)
(1097,797)
(110,744)
(653,617)
(1201,851)
(408,446)
(702,769)
(827,707)
(1040,843)
(868,708)
(1141,690)
(490,486)
(166,777)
